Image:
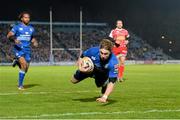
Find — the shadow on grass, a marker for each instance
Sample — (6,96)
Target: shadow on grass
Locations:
(86,99)
(109,102)
(94,99)
(31,85)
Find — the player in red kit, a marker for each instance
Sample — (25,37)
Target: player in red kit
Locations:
(120,37)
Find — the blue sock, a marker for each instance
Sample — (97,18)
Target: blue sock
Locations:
(21,78)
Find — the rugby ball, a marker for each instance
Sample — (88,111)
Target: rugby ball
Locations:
(87,63)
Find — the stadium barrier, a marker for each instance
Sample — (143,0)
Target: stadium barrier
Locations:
(153,62)
(128,62)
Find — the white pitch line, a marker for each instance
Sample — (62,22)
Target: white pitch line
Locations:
(25,93)
(39,93)
(91,113)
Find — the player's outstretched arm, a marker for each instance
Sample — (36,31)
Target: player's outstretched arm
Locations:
(109,89)
(12,38)
(126,42)
(127,39)
(79,61)
(35,43)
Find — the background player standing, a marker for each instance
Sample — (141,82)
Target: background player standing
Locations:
(105,68)
(120,37)
(22,35)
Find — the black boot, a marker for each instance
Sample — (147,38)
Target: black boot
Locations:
(16,62)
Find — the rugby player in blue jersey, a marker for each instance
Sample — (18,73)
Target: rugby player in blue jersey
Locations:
(22,35)
(105,68)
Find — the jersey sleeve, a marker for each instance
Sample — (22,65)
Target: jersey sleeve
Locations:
(87,52)
(127,34)
(33,33)
(111,34)
(113,69)
(14,29)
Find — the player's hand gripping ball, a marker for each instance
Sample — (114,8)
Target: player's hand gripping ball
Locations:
(86,65)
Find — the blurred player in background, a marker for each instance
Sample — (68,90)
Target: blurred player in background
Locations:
(105,68)
(22,36)
(120,37)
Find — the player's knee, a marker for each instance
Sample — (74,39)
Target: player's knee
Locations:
(24,67)
(26,70)
(74,81)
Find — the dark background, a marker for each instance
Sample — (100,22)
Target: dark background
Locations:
(149,19)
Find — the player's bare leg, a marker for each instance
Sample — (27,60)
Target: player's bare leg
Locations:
(27,67)
(121,68)
(24,64)
(24,67)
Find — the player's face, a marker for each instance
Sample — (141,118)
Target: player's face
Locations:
(104,54)
(25,19)
(119,24)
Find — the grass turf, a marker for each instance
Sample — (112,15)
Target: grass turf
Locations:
(150,91)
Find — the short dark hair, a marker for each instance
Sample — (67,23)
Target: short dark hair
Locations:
(106,44)
(22,14)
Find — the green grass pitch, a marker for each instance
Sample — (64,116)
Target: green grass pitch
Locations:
(150,91)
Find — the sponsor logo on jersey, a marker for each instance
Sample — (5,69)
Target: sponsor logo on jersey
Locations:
(93,58)
(31,29)
(116,68)
(106,66)
(21,29)
(26,33)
